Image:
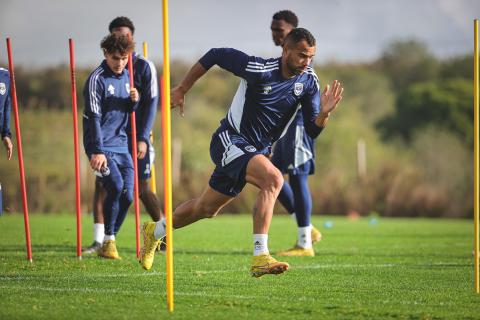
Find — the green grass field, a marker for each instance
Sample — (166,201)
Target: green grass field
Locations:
(395,269)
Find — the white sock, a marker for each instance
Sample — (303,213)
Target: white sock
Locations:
(160,229)
(260,245)
(109,237)
(305,237)
(98,232)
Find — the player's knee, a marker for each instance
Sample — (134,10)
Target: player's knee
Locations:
(127,196)
(115,187)
(273,181)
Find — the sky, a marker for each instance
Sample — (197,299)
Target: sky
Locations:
(346,30)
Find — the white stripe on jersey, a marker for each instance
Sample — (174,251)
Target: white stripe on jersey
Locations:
(312,72)
(262,67)
(153,80)
(236,108)
(290,121)
(302,153)
(262,64)
(262,70)
(92,86)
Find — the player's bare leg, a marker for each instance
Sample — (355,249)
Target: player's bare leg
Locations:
(98,224)
(150,200)
(206,206)
(263,174)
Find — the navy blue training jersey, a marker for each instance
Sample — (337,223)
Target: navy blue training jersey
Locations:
(265,103)
(107,108)
(5,104)
(145,79)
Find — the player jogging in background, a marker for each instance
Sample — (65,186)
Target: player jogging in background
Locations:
(5,109)
(108,102)
(145,80)
(263,107)
(294,154)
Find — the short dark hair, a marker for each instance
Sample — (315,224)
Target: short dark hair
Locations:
(288,16)
(116,43)
(299,34)
(119,22)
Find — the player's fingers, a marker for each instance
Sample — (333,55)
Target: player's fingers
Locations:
(339,94)
(182,113)
(326,89)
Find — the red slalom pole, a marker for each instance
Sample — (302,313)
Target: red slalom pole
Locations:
(133,125)
(75,146)
(19,149)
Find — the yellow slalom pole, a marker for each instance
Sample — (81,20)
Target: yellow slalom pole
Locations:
(167,156)
(476,166)
(153,179)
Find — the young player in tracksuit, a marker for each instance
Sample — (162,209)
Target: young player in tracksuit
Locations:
(269,96)
(145,79)
(294,154)
(5,109)
(108,102)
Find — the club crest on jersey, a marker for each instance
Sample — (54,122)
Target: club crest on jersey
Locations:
(111,89)
(298,88)
(267,89)
(3,88)
(127,86)
(250,149)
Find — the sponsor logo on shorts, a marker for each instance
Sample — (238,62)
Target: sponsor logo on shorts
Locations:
(3,88)
(250,149)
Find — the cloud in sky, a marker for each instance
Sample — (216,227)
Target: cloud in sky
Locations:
(346,30)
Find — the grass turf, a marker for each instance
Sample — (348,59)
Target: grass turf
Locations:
(394,269)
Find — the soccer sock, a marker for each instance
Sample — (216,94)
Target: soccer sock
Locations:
(98,232)
(160,229)
(260,245)
(303,199)
(109,237)
(305,237)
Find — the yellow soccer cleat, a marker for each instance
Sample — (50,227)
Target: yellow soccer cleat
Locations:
(298,252)
(266,264)
(109,250)
(150,244)
(316,235)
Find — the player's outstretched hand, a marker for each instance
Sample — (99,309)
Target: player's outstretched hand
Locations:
(134,95)
(7,142)
(331,97)
(177,99)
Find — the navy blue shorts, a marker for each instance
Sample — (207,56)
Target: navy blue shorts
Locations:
(145,164)
(294,153)
(230,152)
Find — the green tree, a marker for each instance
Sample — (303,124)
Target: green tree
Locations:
(447,104)
(407,62)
